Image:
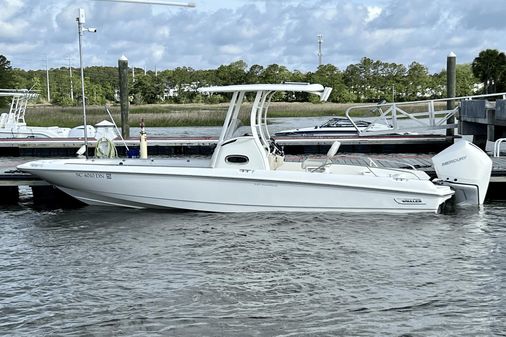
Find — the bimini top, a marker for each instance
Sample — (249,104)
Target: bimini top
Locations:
(301,87)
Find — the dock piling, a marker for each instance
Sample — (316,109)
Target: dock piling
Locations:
(451,85)
(123,95)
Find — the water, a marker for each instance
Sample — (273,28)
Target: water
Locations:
(113,272)
(275,125)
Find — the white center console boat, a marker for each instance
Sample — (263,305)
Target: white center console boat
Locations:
(249,173)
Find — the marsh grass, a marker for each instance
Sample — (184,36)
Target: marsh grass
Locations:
(173,115)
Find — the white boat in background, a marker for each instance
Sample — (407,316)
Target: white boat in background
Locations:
(13,124)
(337,126)
(249,173)
(343,126)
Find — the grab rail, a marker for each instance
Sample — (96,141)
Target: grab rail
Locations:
(371,164)
(497,147)
(431,119)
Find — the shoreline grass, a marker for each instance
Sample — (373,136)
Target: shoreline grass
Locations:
(178,115)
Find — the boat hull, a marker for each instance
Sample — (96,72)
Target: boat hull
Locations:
(235,190)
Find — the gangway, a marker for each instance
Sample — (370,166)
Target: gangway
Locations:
(426,115)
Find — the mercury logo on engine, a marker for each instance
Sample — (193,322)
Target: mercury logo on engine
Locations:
(453,161)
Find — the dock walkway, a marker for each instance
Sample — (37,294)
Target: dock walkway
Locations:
(205,145)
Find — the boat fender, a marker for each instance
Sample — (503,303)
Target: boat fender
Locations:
(333,149)
(143,146)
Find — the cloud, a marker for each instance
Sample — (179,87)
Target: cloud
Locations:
(256,31)
(11,24)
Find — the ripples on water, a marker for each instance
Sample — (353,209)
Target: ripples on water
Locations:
(100,272)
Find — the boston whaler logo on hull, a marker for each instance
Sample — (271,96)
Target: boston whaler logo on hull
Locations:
(94,175)
(409,201)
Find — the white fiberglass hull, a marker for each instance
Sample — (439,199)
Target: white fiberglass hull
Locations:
(234,190)
(341,131)
(34,132)
(331,131)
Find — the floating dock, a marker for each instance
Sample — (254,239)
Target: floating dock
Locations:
(48,195)
(63,147)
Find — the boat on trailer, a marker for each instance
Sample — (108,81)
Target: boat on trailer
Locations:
(249,173)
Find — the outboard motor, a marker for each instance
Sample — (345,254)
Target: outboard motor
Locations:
(466,169)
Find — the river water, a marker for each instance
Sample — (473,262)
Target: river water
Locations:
(95,271)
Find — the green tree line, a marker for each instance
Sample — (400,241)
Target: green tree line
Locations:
(366,81)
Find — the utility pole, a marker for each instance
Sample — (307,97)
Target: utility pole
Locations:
(133,74)
(71,85)
(320,41)
(47,82)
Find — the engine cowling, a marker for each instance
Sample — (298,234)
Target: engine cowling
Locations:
(467,169)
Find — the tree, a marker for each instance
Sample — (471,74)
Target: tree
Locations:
(489,67)
(6,79)
(275,73)
(150,88)
(371,81)
(390,84)
(254,73)
(234,73)
(329,76)
(418,82)
(466,81)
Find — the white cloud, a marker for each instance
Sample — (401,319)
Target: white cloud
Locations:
(257,31)
(230,49)
(373,12)
(10,8)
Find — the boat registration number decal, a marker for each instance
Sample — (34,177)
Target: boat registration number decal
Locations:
(94,175)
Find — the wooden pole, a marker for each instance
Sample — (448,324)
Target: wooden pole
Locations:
(451,85)
(123,95)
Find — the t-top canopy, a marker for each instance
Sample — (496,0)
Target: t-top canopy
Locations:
(317,89)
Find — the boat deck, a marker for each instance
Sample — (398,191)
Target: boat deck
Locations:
(420,162)
(9,176)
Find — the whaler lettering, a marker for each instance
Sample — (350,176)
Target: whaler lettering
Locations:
(94,175)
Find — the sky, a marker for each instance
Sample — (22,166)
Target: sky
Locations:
(262,32)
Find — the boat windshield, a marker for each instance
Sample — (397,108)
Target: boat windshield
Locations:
(343,122)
